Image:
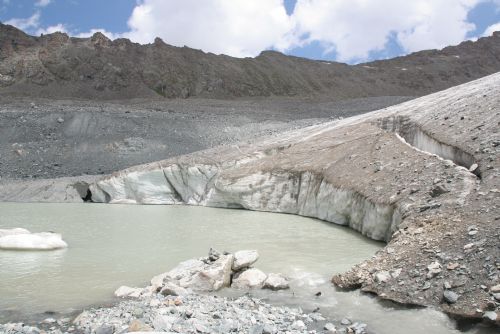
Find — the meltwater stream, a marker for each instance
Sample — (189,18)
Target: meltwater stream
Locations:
(113,245)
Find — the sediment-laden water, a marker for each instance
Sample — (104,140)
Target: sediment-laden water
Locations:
(113,245)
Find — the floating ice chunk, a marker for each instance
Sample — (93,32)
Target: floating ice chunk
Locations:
(32,241)
(13,231)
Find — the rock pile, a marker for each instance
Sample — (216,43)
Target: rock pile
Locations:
(171,305)
(207,274)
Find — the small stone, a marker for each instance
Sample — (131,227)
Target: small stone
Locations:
(438,190)
(138,312)
(433,269)
(497,296)
(490,315)
(330,327)
(469,246)
(170,289)
(256,329)
(125,291)
(268,329)
(345,322)
(60,120)
(213,255)
(139,326)
(452,266)
(447,285)
(299,324)
(276,282)
(49,321)
(106,329)
(473,167)
(382,276)
(495,288)
(450,297)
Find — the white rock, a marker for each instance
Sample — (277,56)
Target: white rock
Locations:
(211,277)
(125,291)
(276,282)
(244,259)
(185,269)
(171,289)
(490,315)
(495,288)
(157,281)
(433,269)
(382,276)
(248,279)
(32,241)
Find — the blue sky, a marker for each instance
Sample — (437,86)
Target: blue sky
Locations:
(342,30)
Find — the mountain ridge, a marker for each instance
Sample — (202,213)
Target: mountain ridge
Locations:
(57,66)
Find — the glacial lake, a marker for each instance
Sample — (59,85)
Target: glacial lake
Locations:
(114,245)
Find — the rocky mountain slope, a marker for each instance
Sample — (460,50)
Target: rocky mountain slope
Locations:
(56,65)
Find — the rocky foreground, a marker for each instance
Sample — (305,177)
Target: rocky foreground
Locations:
(177,302)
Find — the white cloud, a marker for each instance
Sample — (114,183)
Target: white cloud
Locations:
(491,29)
(355,28)
(52,29)
(234,27)
(351,28)
(25,23)
(106,33)
(42,3)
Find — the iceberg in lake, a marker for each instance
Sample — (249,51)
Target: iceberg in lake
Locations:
(22,239)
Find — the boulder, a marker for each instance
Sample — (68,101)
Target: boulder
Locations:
(195,275)
(32,241)
(249,279)
(244,259)
(276,282)
(170,289)
(157,281)
(185,269)
(126,291)
(210,277)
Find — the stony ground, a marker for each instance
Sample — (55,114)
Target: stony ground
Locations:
(47,138)
(191,314)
